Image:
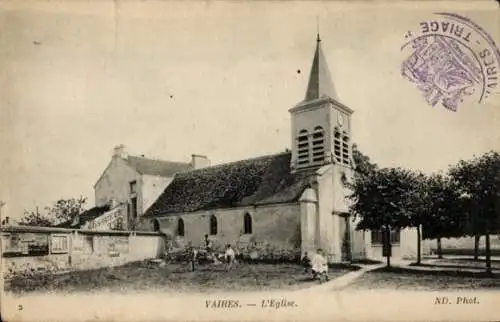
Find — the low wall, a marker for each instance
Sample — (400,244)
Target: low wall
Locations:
(465,243)
(28,250)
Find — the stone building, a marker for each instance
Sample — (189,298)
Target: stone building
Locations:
(286,201)
(135,182)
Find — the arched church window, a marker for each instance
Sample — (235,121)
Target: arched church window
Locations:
(213,225)
(303,148)
(318,144)
(156,225)
(345,149)
(180,227)
(337,146)
(247,224)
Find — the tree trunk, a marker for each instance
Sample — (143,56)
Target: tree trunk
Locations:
(488,254)
(476,246)
(388,246)
(439,248)
(419,246)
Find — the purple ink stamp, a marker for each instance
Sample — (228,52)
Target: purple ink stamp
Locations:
(450,58)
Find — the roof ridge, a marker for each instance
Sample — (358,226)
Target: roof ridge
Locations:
(215,166)
(151,159)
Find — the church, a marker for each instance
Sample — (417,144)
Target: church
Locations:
(294,200)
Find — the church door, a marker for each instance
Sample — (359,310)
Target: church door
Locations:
(345,235)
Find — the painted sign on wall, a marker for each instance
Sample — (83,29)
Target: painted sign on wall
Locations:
(25,244)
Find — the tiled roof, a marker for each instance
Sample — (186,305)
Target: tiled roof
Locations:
(85,217)
(263,180)
(156,167)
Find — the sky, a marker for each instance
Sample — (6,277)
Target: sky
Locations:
(169,79)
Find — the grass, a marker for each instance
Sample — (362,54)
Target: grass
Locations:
(175,278)
(425,280)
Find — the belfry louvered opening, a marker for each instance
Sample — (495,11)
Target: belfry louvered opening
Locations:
(337,146)
(303,148)
(318,145)
(345,149)
(341,147)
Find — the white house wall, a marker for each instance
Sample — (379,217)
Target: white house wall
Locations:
(406,249)
(115,183)
(152,187)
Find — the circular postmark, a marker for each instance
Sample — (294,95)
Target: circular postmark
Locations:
(449,58)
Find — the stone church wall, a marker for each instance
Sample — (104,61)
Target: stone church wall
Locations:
(275,228)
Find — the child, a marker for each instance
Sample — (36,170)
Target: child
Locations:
(208,245)
(306,262)
(209,249)
(319,264)
(229,256)
(192,256)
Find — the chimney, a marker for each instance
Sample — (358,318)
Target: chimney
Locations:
(120,152)
(2,203)
(199,161)
(5,222)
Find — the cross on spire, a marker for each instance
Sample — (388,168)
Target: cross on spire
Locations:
(318,39)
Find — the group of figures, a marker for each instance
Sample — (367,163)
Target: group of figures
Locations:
(204,255)
(315,264)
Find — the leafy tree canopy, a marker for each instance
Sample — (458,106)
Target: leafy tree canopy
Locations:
(62,210)
(477,182)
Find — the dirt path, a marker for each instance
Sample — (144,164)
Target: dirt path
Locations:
(341,281)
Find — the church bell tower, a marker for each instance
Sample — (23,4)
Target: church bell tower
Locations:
(321,125)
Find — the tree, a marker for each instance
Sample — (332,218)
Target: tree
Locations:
(381,198)
(363,165)
(65,210)
(446,213)
(417,206)
(35,218)
(478,181)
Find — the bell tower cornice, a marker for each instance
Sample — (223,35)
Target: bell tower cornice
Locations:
(317,103)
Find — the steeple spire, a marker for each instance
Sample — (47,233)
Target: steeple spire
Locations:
(320,83)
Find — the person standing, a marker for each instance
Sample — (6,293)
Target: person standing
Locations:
(209,248)
(208,244)
(192,256)
(229,257)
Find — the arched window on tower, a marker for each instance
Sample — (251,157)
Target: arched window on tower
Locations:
(318,144)
(303,148)
(337,146)
(345,149)
(180,227)
(247,224)
(213,225)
